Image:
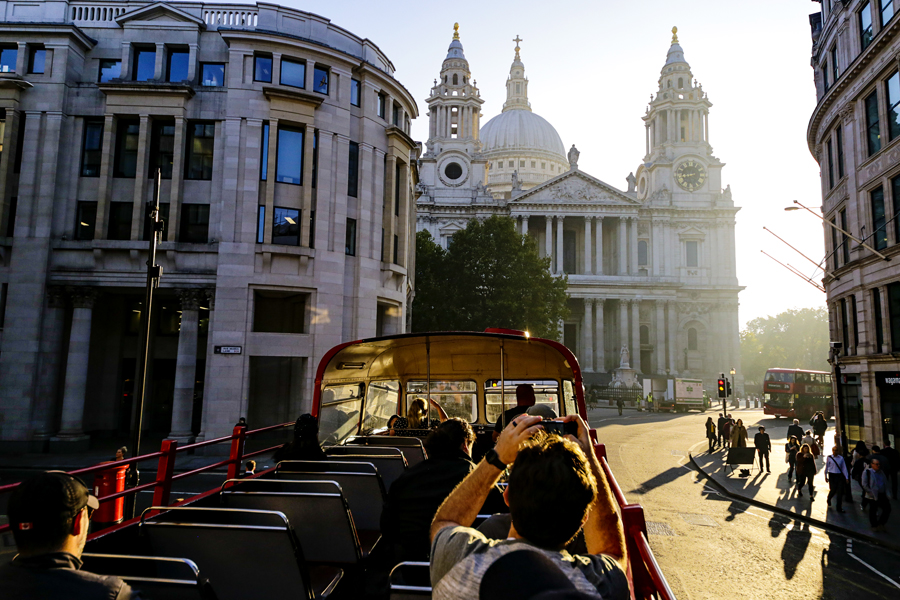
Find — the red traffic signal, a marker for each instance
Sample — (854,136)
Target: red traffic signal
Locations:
(722,390)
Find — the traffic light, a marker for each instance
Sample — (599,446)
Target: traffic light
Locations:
(728,387)
(722,390)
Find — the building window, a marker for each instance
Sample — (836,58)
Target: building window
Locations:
(293,73)
(854,321)
(845,326)
(642,253)
(840,152)
(395,117)
(692,254)
(893,293)
(119,221)
(835,71)
(163,217)
(177,68)
(127,136)
(289,165)
(879,324)
(878,220)
(845,245)
(2,129)
(312,229)
(194,226)
(887,12)
(397,188)
(873,127)
(162,149)
(315,159)
(569,253)
(8,57)
(262,68)
(320,79)
(212,74)
(37,61)
(279,312)
(353,170)
(825,82)
(835,245)
(11,217)
(350,238)
(692,339)
(85,219)
(201,141)
(865,26)
(109,70)
(521,164)
(533,164)
(830,165)
(261,224)
(286,226)
(354,92)
(4,292)
(893,99)
(264,153)
(895,196)
(144,64)
(382,101)
(92,148)
(396,249)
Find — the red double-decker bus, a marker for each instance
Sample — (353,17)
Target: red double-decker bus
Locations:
(797,393)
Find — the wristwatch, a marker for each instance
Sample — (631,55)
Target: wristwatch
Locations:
(493,458)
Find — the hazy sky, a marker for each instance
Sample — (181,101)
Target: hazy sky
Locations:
(592,66)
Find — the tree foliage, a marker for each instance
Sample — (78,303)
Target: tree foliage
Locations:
(794,339)
(490,276)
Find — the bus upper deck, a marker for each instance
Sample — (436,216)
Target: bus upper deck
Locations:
(311,525)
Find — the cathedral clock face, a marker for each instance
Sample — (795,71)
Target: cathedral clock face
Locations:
(690,175)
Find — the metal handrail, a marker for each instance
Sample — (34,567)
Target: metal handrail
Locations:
(656,576)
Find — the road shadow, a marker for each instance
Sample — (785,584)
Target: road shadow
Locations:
(657,481)
(796,542)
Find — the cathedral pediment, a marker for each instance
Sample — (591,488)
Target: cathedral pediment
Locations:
(159,13)
(575,187)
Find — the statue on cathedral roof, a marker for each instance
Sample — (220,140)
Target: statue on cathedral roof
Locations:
(632,180)
(573,158)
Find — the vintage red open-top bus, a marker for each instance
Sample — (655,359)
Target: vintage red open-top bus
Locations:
(797,393)
(234,535)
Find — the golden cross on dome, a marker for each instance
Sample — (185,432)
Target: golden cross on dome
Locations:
(456,31)
(517,39)
(674,35)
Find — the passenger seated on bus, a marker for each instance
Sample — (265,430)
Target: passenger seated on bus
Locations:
(305,445)
(556,487)
(417,414)
(50,515)
(544,579)
(417,493)
(542,410)
(524,399)
(396,425)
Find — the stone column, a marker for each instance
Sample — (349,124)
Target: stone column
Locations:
(44,407)
(623,325)
(559,244)
(598,227)
(623,247)
(548,240)
(77,367)
(660,338)
(185,366)
(588,247)
(587,353)
(600,336)
(636,335)
(633,246)
(670,308)
(209,295)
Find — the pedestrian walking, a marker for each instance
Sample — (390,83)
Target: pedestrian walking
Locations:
(874,483)
(790,455)
(893,458)
(710,433)
(719,424)
(726,433)
(819,426)
(809,439)
(763,447)
(620,402)
(806,470)
(795,430)
(858,466)
(837,476)
(739,435)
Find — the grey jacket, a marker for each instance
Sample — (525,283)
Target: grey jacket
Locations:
(874,483)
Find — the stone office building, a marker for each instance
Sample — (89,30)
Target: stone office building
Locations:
(650,268)
(288,187)
(854,134)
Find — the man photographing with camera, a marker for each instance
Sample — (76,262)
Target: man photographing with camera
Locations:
(556,487)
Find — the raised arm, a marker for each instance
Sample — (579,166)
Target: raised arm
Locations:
(442,414)
(603,531)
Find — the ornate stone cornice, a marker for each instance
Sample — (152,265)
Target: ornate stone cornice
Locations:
(82,297)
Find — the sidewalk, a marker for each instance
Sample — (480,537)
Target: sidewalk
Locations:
(774,492)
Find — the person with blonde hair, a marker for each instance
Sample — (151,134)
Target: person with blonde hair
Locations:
(739,435)
(417,413)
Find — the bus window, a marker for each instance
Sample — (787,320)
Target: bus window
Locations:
(802,378)
(457,398)
(569,396)
(381,404)
(339,413)
(546,391)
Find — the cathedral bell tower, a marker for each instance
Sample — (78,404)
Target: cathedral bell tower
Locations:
(679,166)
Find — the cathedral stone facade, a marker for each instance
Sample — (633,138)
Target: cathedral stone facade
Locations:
(650,268)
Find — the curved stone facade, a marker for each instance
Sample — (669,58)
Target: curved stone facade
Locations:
(854,134)
(288,192)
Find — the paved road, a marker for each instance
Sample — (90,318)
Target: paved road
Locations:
(710,546)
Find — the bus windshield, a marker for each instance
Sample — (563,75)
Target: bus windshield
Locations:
(778,400)
(457,398)
(339,415)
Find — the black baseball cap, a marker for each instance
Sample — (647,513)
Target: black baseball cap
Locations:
(48,499)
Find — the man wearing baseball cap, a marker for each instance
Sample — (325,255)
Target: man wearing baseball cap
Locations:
(50,516)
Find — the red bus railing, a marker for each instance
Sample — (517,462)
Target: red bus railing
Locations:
(648,581)
(165,472)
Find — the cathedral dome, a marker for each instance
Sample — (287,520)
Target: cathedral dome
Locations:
(521,131)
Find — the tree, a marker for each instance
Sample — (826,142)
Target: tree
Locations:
(490,276)
(794,339)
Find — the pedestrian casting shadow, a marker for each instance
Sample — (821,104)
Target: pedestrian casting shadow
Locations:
(664,478)
(796,541)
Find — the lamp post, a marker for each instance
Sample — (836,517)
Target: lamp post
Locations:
(732,382)
(835,360)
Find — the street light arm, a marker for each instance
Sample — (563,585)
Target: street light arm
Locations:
(847,233)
